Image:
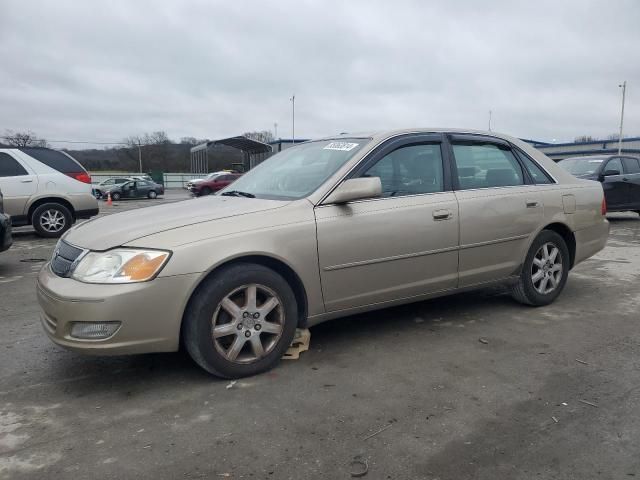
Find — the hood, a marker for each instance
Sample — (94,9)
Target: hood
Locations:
(110,231)
(586,176)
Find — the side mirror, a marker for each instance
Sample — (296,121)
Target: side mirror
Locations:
(608,173)
(355,189)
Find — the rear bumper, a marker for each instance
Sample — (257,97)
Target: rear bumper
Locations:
(150,313)
(591,240)
(5,232)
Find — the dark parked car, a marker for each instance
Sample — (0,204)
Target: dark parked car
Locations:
(101,189)
(212,183)
(135,189)
(619,175)
(5,228)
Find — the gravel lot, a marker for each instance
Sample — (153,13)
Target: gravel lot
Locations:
(472,386)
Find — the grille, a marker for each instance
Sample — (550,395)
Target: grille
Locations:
(63,257)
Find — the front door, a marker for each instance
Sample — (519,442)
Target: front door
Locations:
(17,182)
(632,178)
(616,190)
(500,208)
(401,245)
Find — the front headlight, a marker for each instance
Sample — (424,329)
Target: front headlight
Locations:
(122,265)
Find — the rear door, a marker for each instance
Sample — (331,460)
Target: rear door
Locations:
(632,176)
(17,182)
(500,208)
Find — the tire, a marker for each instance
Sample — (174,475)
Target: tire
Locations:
(537,291)
(51,220)
(115,196)
(152,194)
(205,191)
(232,354)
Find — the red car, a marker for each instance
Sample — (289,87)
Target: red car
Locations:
(212,183)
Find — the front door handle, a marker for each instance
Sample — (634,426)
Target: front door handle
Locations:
(532,204)
(26,181)
(442,215)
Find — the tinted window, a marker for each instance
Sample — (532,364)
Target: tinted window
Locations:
(9,166)
(54,159)
(486,165)
(614,164)
(409,170)
(538,175)
(631,165)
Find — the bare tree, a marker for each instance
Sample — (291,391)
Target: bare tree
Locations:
(23,139)
(155,138)
(264,136)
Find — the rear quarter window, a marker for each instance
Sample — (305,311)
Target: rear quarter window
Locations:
(54,159)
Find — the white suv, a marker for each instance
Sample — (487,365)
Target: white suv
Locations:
(45,188)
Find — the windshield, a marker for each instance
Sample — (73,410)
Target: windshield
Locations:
(297,171)
(581,166)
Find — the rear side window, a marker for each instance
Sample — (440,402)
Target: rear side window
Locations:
(486,165)
(539,176)
(631,165)
(54,159)
(9,166)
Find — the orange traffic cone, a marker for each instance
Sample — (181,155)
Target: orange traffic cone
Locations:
(109,201)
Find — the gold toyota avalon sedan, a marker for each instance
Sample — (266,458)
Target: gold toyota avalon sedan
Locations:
(321,230)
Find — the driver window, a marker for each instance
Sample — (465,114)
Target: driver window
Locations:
(614,164)
(409,170)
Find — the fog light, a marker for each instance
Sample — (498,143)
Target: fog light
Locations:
(93,330)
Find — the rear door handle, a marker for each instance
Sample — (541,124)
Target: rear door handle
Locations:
(532,204)
(26,181)
(441,215)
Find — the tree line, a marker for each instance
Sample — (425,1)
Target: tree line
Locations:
(158,151)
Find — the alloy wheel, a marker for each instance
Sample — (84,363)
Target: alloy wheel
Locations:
(52,220)
(546,269)
(248,323)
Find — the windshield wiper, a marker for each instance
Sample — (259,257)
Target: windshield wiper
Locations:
(238,193)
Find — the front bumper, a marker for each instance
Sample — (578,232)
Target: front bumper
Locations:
(150,312)
(5,232)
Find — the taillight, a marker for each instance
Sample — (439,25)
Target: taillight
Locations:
(603,207)
(83,177)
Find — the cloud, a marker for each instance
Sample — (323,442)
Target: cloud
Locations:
(101,71)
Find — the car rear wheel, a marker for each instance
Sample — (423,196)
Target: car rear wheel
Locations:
(241,321)
(152,194)
(205,191)
(51,220)
(545,270)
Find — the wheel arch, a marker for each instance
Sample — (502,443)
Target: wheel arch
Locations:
(567,235)
(43,200)
(275,264)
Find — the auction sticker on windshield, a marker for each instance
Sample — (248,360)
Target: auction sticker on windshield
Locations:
(344,146)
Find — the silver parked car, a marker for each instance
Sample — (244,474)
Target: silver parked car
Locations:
(45,188)
(321,230)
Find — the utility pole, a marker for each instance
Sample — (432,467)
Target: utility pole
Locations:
(624,91)
(275,128)
(489,120)
(293,118)
(140,155)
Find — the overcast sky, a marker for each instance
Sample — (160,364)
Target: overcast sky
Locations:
(101,71)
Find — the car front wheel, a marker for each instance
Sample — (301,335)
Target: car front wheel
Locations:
(152,194)
(240,321)
(205,191)
(545,270)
